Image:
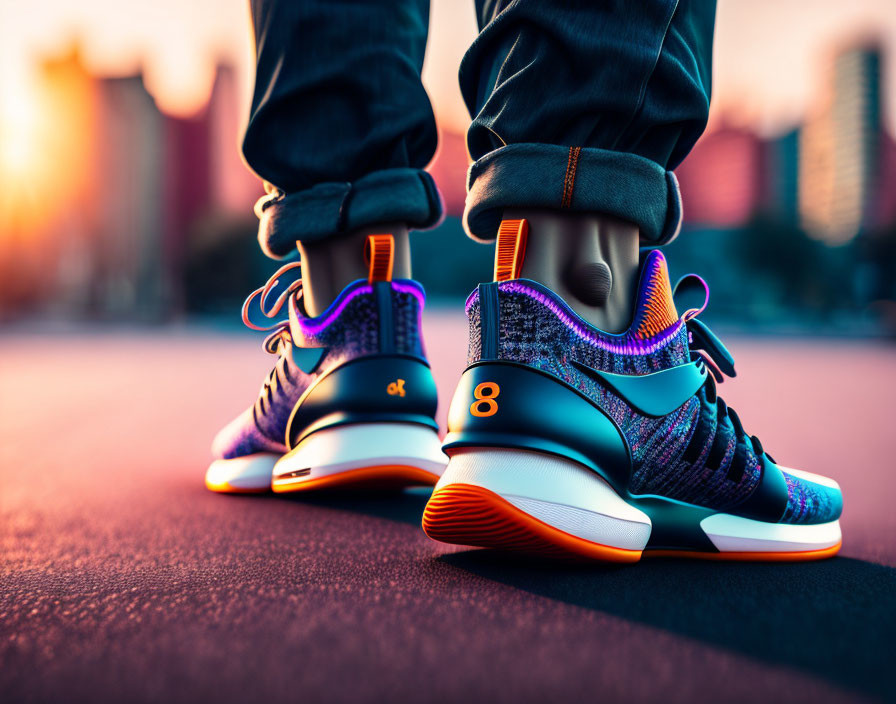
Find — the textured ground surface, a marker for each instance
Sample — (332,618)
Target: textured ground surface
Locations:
(122,579)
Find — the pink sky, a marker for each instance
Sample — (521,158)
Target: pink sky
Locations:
(770,55)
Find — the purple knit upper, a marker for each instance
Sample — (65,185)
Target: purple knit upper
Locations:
(537,328)
(346,330)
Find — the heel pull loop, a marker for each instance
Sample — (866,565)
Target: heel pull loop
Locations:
(379,255)
(510,249)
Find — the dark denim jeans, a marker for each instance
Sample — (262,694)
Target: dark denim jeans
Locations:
(581,106)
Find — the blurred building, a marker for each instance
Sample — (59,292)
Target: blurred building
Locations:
(233,185)
(722,179)
(840,149)
(124,190)
(835,175)
(883,212)
(129,270)
(780,182)
(187,190)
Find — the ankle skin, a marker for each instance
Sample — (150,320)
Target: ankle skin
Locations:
(590,260)
(331,265)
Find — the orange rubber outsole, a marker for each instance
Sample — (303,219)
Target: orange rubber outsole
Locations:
(379,477)
(465,514)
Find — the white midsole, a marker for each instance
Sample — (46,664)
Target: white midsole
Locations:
(562,493)
(252,472)
(348,447)
(737,534)
(572,498)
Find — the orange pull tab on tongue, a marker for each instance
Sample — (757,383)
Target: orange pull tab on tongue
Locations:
(379,254)
(510,249)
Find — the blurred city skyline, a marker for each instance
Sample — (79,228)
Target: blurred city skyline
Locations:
(769,54)
(119,201)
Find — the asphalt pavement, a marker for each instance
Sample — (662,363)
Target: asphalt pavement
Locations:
(123,579)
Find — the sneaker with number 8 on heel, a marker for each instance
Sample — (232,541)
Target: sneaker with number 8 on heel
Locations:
(571,442)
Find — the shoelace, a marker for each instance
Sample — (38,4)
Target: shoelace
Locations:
(280,336)
(710,353)
(280,328)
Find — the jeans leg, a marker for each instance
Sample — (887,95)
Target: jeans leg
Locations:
(585,106)
(340,126)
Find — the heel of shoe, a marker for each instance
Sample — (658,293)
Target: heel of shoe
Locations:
(362,455)
(533,502)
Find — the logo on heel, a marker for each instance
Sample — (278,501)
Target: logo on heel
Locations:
(396,388)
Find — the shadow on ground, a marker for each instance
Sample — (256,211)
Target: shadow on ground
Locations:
(395,505)
(835,619)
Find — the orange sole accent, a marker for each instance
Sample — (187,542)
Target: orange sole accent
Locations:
(797,556)
(380,477)
(225,488)
(465,514)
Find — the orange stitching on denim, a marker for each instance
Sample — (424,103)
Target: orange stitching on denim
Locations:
(570,178)
(566,179)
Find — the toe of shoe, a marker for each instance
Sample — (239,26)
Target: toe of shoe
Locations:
(811,498)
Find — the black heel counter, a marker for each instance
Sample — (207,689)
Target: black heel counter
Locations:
(371,389)
(505,404)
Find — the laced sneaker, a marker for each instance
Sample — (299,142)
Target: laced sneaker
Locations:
(569,441)
(351,399)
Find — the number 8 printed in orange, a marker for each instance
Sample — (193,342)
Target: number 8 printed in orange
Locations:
(485,395)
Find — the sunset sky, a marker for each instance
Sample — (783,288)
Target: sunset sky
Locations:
(770,54)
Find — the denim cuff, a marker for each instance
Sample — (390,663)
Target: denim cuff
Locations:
(327,209)
(577,179)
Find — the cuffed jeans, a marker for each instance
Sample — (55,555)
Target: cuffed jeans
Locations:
(576,106)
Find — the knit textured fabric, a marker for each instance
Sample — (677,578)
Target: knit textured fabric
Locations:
(809,503)
(347,330)
(694,454)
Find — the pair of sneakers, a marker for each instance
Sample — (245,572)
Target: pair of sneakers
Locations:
(563,440)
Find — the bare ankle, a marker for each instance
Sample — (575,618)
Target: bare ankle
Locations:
(590,260)
(330,265)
